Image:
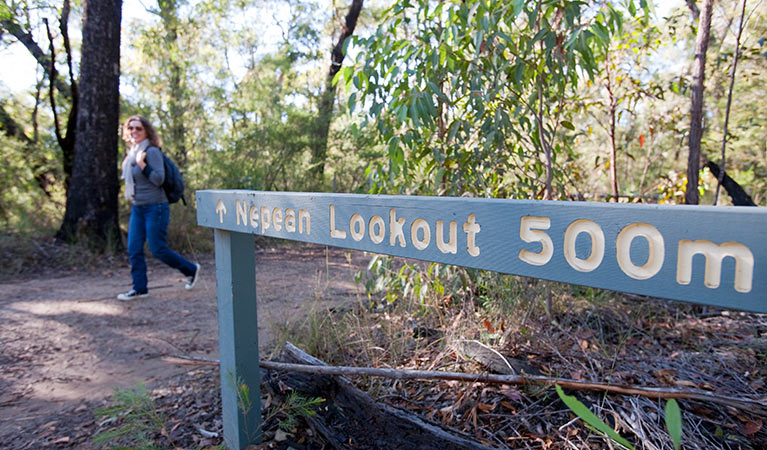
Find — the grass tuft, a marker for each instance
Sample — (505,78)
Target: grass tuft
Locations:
(132,421)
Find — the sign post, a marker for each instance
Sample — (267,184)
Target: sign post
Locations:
(238,338)
(714,256)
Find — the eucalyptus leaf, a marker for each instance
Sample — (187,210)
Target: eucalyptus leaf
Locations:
(674,422)
(587,416)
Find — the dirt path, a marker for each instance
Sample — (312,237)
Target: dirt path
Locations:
(66,343)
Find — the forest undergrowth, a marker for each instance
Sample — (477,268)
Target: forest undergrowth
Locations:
(586,335)
(28,251)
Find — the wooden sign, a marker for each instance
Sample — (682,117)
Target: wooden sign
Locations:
(708,255)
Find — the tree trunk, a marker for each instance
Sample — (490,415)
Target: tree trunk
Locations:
(548,190)
(613,150)
(720,178)
(91,210)
(177,124)
(696,111)
(325,107)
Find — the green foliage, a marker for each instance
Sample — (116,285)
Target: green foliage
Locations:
(470,96)
(135,417)
(293,407)
(493,98)
(5,11)
(31,200)
(387,282)
(499,294)
(244,402)
(613,103)
(32,174)
(590,419)
(448,98)
(674,423)
(384,278)
(238,98)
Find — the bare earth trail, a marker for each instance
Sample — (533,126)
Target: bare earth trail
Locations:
(66,343)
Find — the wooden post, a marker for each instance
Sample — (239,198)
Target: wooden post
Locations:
(238,338)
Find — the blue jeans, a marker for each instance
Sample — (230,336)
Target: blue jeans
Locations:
(150,222)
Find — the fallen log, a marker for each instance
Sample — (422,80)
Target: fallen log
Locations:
(350,418)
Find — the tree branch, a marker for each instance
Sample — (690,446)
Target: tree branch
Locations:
(327,98)
(694,10)
(10,127)
(720,178)
(350,23)
(734,190)
(753,406)
(64,28)
(52,91)
(28,41)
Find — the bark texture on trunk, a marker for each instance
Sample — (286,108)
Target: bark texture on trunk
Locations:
(691,196)
(92,209)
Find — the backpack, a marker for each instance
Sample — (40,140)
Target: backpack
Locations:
(173,185)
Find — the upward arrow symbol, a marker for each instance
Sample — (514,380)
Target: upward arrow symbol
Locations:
(221,210)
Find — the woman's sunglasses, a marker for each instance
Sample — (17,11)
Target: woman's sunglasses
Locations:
(135,128)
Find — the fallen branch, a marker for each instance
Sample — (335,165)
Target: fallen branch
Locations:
(753,406)
(750,405)
(183,360)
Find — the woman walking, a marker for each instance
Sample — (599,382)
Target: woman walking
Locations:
(144,173)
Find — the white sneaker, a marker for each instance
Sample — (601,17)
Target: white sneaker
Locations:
(193,279)
(132,295)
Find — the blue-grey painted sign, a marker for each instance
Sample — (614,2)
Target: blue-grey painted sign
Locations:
(708,255)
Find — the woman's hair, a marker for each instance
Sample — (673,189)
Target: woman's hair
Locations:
(151,134)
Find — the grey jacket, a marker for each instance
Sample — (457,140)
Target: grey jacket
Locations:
(149,181)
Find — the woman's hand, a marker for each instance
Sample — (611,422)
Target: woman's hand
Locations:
(140,159)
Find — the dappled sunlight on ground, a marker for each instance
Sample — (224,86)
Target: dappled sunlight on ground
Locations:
(51,308)
(66,343)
